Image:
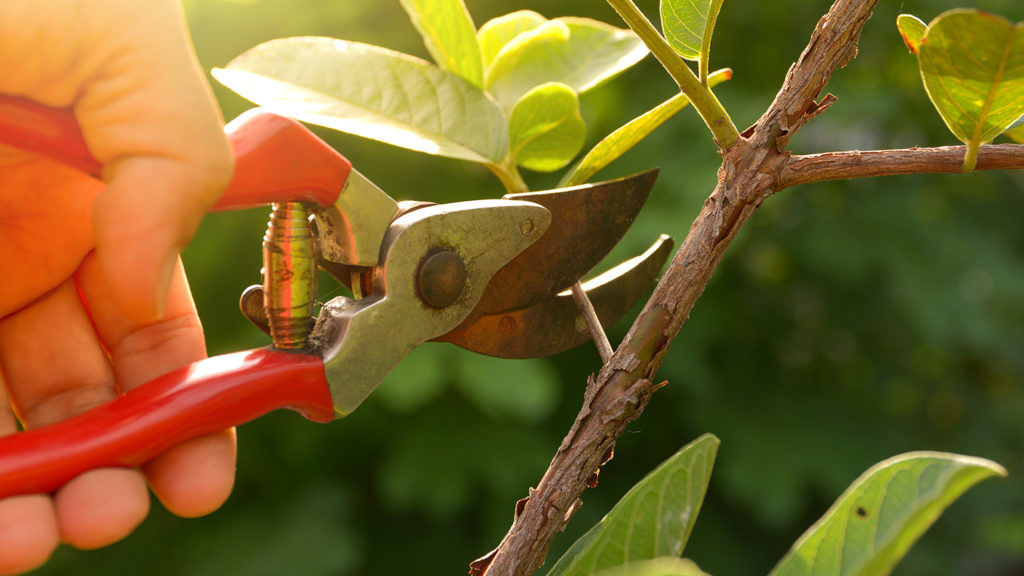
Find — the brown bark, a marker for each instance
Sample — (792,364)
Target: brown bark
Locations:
(753,169)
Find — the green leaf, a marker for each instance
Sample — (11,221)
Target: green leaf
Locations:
(495,34)
(912,29)
(688,26)
(618,142)
(449,35)
(665,566)
(1016,134)
(653,519)
(374,93)
(880,516)
(972,63)
(546,130)
(578,52)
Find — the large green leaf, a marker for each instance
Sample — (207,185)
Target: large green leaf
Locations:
(688,26)
(578,52)
(880,516)
(372,92)
(450,36)
(972,63)
(912,29)
(652,520)
(611,147)
(546,130)
(496,33)
(665,566)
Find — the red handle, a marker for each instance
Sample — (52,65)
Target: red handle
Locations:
(201,398)
(276,159)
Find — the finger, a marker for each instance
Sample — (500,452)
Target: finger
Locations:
(193,478)
(45,226)
(28,526)
(55,367)
(151,120)
(147,114)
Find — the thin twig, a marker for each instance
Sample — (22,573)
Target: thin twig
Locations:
(856,164)
(604,347)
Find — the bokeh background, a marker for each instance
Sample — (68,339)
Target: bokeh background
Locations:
(848,323)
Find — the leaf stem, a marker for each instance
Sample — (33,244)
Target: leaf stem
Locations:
(703,99)
(509,176)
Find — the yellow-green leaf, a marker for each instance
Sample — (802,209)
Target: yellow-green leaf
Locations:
(1016,134)
(880,516)
(374,93)
(912,29)
(496,33)
(689,24)
(664,566)
(653,519)
(611,147)
(972,63)
(546,130)
(449,35)
(578,52)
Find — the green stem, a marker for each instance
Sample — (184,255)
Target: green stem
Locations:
(509,176)
(702,98)
(971,157)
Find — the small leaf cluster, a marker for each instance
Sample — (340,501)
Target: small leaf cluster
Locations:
(506,95)
(972,66)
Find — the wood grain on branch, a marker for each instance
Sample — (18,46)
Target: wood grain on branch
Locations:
(752,169)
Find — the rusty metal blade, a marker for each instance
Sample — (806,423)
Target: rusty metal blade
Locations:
(586,223)
(555,325)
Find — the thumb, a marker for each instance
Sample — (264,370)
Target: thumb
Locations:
(148,115)
(142,220)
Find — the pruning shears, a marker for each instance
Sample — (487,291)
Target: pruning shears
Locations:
(490,276)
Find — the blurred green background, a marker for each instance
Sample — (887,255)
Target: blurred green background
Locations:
(849,322)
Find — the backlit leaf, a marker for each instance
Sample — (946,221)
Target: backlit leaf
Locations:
(665,566)
(545,129)
(1016,134)
(972,63)
(689,24)
(618,142)
(374,93)
(449,35)
(880,516)
(912,29)
(652,520)
(495,34)
(578,52)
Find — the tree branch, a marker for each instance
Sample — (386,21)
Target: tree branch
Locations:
(750,172)
(855,164)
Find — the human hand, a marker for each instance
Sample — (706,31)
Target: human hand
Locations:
(94,300)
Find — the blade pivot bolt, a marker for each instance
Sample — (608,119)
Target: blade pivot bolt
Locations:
(441,278)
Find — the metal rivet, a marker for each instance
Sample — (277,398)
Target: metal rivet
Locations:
(441,278)
(527,227)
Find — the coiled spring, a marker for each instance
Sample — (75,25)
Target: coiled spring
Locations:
(289,275)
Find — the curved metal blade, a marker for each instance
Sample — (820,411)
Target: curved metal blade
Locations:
(555,325)
(586,223)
